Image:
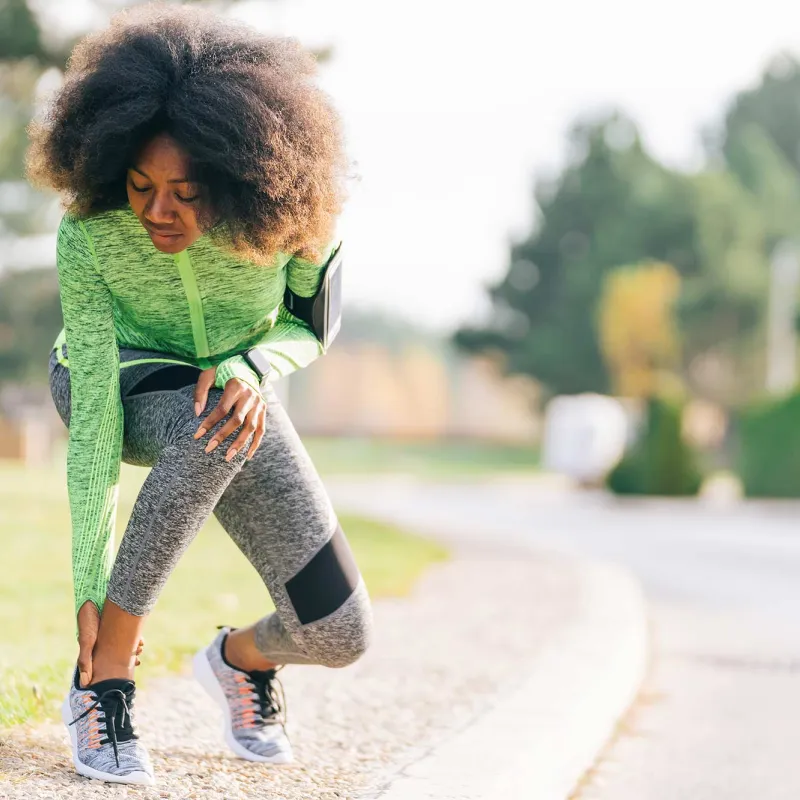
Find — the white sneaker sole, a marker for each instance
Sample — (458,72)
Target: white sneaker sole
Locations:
(204,673)
(142,778)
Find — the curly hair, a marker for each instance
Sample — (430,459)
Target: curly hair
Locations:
(263,140)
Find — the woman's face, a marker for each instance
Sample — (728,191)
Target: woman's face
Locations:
(162,197)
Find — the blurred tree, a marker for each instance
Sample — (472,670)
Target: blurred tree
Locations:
(20,37)
(23,59)
(760,143)
(768,451)
(638,331)
(722,307)
(25,54)
(660,461)
(30,318)
(772,107)
(614,204)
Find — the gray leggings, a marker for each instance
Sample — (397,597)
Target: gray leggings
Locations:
(274,507)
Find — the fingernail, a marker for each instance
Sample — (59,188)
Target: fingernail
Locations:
(84,679)
(211,445)
(231,454)
(200,432)
(197,409)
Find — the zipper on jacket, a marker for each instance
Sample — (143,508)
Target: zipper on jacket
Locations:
(195,308)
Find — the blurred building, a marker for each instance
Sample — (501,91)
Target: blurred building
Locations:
(30,427)
(357,389)
(364,389)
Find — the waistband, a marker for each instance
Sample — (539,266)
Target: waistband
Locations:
(60,347)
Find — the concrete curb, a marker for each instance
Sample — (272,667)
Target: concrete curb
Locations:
(540,740)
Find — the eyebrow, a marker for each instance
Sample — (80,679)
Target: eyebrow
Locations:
(175,180)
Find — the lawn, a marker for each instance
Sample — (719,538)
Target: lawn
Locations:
(435,459)
(213,585)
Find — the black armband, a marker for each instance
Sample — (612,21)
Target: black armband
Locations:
(323,311)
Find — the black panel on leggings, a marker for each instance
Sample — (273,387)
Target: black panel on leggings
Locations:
(325,582)
(174,376)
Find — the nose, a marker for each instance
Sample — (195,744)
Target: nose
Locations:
(160,210)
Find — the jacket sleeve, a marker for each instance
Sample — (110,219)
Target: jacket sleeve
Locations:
(96,422)
(290,344)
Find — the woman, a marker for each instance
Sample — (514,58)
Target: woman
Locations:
(204,172)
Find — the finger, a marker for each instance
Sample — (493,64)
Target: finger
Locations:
(137,663)
(250,423)
(85,667)
(239,412)
(204,383)
(259,432)
(229,396)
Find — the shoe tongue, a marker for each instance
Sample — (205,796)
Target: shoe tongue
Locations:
(123,731)
(261,674)
(110,683)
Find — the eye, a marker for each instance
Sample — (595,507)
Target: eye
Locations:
(187,199)
(137,189)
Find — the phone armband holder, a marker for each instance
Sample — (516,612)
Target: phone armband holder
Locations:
(323,311)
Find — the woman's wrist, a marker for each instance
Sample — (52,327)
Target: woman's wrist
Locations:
(236,367)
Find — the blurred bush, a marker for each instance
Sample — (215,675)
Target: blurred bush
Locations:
(660,462)
(638,333)
(769,448)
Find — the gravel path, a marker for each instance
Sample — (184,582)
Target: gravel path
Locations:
(440,656)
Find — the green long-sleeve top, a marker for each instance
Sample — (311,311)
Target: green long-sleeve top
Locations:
(204,306)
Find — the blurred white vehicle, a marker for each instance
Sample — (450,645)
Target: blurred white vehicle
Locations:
(584,436)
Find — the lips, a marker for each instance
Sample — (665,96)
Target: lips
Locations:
(163,234)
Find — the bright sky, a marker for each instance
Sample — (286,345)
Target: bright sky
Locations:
(450,112)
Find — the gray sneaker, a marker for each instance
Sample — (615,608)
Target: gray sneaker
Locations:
(104,743)
(253,708)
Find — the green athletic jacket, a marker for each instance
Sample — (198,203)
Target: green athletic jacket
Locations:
(203,306)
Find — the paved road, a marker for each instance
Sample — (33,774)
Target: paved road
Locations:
(723,717)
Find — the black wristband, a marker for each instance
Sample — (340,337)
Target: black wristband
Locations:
(258,362)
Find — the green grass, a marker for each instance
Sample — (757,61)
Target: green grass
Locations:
(212,585)
(434,459)
(426,459)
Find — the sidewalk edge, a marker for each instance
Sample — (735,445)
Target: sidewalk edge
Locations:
(540,740)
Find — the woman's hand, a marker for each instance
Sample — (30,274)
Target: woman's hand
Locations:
(248,407)
(88,627)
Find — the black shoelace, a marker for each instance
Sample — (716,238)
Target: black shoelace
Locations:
(117,724)
(269,690)
(271,699)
